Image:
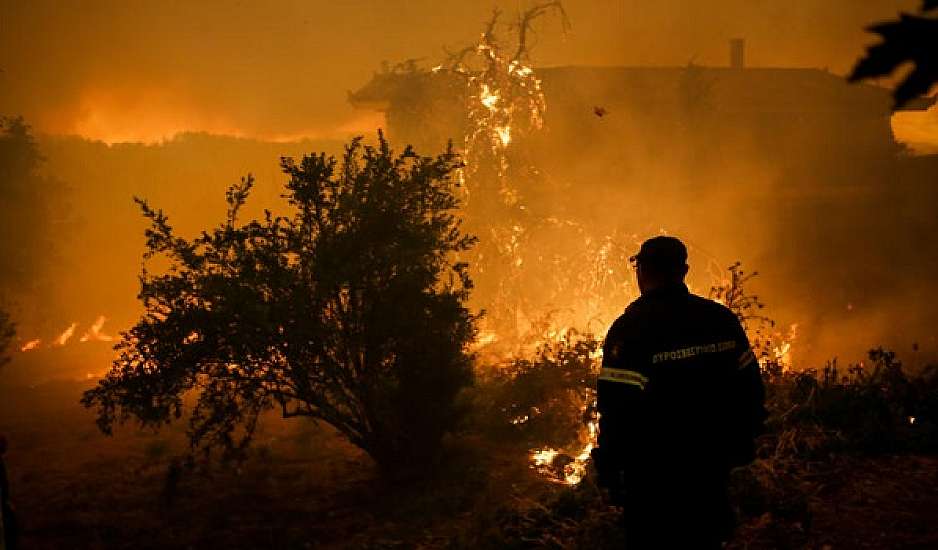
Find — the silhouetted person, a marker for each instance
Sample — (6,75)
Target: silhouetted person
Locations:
(8,527)
(680,398)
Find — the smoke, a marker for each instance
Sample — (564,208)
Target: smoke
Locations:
(843,244)
(116,71)
(837,225)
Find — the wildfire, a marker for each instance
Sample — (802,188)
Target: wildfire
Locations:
(574,470)
(31,345)
(783,352)
(488,98)
(94,333)
(504,134)
(505,105)
(544,457)
(504,100)
(486,337)
(63,338)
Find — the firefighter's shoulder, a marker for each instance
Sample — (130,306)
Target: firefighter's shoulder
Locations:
(629,321)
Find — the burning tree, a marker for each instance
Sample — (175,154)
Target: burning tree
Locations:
(525,254)
(350,310)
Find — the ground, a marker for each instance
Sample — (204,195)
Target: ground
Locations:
(304,487)
(872,502)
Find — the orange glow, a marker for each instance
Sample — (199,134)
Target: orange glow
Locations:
(159,114)
(147,115)
(917,130)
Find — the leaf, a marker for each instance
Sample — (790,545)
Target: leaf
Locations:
(911,39)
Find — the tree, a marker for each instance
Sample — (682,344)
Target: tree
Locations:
(910,39)
(350,311)
(32,213)
(7,332)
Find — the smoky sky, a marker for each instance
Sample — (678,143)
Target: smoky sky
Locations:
(141,70)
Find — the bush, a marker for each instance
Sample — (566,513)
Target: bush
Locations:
(867,408)
(350,310)
(545,400)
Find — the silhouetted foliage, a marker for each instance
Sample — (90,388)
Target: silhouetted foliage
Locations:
(910,39)
(747,307)
(873,407)
(31,211)
(818,420)
(350,310)
(7,332)
(544,400)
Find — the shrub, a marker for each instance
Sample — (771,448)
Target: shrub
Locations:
(870,408)
(350,310)
(545,400)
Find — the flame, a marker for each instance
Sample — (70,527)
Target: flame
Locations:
(94,333)
(488,98)
(31,345)
(544,457)
(575,470)
(486,337)
(519,69)
(782,353)
(504,135)
(63,338)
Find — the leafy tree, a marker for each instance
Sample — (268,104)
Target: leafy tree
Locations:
(350,310)
(31,213)
(910,39)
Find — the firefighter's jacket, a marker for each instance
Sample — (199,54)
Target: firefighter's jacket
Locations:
(680,390)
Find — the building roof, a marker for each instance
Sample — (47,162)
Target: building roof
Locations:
(723,89)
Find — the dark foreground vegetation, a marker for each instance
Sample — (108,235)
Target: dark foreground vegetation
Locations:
(845,461)
(843,465)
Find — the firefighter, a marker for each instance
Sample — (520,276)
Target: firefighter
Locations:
(680,399)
